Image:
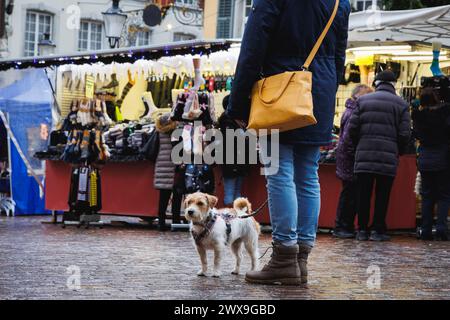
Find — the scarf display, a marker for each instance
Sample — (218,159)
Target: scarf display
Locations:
(85,147)
(125,141)
(85,190)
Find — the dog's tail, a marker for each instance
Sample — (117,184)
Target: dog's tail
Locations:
(243,207)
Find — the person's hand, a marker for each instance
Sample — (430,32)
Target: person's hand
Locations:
(241,123)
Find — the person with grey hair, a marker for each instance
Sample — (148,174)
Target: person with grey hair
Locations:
(345,161)
(380,128)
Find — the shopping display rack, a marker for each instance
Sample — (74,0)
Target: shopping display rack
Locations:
(84,198)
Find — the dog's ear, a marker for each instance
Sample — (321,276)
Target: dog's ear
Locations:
(186,200)
(212,200)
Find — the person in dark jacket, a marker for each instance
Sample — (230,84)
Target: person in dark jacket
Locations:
(380,128)
(233,174)
(345,162)
(279,36)
(432,129)
(165,172)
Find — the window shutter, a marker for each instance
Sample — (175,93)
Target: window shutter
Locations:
(225,19)
(2,18)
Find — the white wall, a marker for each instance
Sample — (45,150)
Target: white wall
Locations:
(66,38)
(162,34)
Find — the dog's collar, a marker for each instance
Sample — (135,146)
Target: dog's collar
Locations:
(207,226)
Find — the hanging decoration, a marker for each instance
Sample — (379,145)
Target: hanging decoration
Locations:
(222,62)
(123,55)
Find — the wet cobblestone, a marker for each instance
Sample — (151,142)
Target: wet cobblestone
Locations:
(138,263)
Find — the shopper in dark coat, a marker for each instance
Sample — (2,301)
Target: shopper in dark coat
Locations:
(380,128)
(432,129)
(233,173)
(345,163)
(279,36)
(165,172)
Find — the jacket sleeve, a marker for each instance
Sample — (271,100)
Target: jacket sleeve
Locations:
(354,125)
(404,130)
(415,118)
(260,25)
(341,45)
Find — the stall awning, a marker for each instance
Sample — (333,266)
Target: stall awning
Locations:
(424,25)
(121,55)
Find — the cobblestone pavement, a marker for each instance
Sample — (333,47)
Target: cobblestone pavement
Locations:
(137,263)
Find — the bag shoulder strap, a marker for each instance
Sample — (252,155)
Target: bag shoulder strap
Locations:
(319,42)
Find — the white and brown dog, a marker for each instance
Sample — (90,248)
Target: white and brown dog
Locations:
(214,229)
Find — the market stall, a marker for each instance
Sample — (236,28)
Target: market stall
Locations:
(130,85)
(26,110)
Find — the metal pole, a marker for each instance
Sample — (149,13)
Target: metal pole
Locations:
(9,162)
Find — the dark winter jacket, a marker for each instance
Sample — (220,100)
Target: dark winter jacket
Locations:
(380,128)
(278,37)
(232,170)
(345,153)
(432,129)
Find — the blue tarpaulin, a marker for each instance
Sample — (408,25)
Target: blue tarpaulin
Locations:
(27,102)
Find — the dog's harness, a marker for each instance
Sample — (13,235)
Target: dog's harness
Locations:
(208,225)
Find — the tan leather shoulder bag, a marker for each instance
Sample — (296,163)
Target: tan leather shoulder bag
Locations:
(284,101)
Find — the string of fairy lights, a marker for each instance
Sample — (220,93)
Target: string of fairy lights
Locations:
(129,55)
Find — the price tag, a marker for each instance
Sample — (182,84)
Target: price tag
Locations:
(90,84)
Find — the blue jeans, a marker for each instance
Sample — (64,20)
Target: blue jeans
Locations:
(294,194)
(232,189)
(435,190)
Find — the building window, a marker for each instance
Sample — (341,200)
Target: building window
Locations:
(143,38)
(364,4)
(190,3)
(225,19)
(183,37)
(90,36)
(248,7)
(37,24)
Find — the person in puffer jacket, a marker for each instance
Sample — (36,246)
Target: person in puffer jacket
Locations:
(345,161)
(380,128)
(165,172)
(432,129)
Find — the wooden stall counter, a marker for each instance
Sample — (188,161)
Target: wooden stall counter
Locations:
(127,190)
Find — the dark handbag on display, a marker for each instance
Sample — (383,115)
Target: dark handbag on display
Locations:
(151,148)
(191,178)
(199,178)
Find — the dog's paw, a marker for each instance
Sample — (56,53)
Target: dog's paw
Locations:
(217,274)
(235,272)
(201,273)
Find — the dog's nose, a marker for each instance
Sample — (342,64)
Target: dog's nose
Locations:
(190,212)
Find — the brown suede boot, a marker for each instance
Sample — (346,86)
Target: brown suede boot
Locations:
(303,253)
(281,269)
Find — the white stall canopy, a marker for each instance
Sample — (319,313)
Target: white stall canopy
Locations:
(425,25)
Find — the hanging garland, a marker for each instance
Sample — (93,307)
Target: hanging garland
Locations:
(120,56)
